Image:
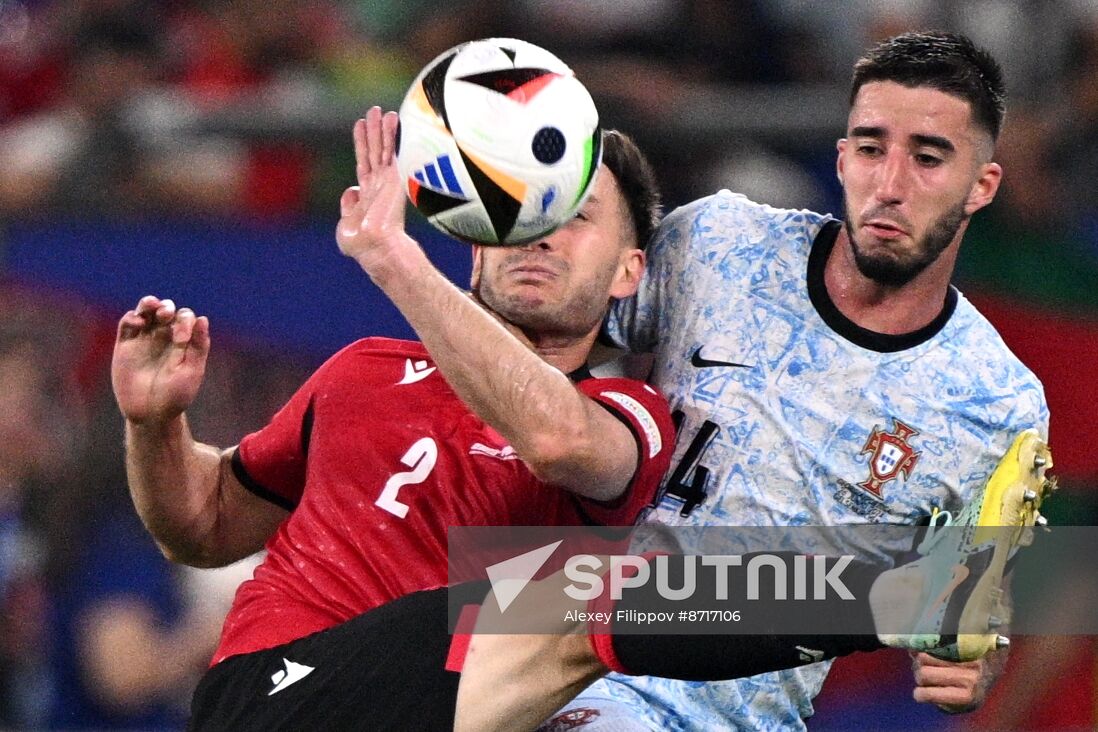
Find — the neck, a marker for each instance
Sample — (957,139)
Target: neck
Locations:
(891,310)
(566,352)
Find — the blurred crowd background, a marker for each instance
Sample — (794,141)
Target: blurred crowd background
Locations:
(197,148)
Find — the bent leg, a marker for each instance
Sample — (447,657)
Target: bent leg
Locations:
(515,682)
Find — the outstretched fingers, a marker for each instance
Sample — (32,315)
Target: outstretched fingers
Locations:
(373,138)
(372,213)
(375,143)
(390,122)
(362,162)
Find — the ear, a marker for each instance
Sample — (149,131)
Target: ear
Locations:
(840,159)
(474,276)
(628,276)
(984,189)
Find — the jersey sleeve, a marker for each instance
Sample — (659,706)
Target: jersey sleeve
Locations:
(646,413)
(272,461)
(634,322)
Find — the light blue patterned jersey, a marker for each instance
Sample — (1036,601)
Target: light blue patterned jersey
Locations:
(809,419)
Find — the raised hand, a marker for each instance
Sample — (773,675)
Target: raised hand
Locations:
(371,224)
(159,360)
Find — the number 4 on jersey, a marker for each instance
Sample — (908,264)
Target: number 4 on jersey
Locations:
(687,481)
(421,458)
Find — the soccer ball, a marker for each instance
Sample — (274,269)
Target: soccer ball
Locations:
(499,142)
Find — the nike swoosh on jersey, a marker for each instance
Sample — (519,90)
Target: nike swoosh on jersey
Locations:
(293,673)
(703,363)
(414,372)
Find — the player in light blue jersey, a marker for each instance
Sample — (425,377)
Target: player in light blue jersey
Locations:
(826,372)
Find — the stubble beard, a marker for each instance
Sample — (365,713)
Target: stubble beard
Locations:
(573,317)
(893,271)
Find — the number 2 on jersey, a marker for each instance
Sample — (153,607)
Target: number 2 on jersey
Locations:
(421,458)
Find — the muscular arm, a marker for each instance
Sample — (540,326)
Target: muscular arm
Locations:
(184,491)
(190,500)
(563,436)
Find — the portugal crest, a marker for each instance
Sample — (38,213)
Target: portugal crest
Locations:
(890,454)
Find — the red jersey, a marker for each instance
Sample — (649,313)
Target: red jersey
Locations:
(376,456)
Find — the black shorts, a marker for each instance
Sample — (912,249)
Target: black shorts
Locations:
(383,670)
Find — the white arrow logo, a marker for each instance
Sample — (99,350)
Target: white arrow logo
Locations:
(414,372)
(294,672)
(511,575)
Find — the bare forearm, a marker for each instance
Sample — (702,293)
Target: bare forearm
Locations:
(563,437)
(174,483)
(500,377)
(531,403)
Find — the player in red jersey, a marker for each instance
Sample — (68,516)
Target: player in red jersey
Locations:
(352,485)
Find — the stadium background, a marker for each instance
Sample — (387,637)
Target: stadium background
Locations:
(196,149)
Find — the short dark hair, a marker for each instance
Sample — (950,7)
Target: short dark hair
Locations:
(637,181)
(949,62)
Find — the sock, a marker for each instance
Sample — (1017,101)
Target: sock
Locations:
(771,635)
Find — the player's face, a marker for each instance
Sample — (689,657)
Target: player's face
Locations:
(562,285)
(914,168)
